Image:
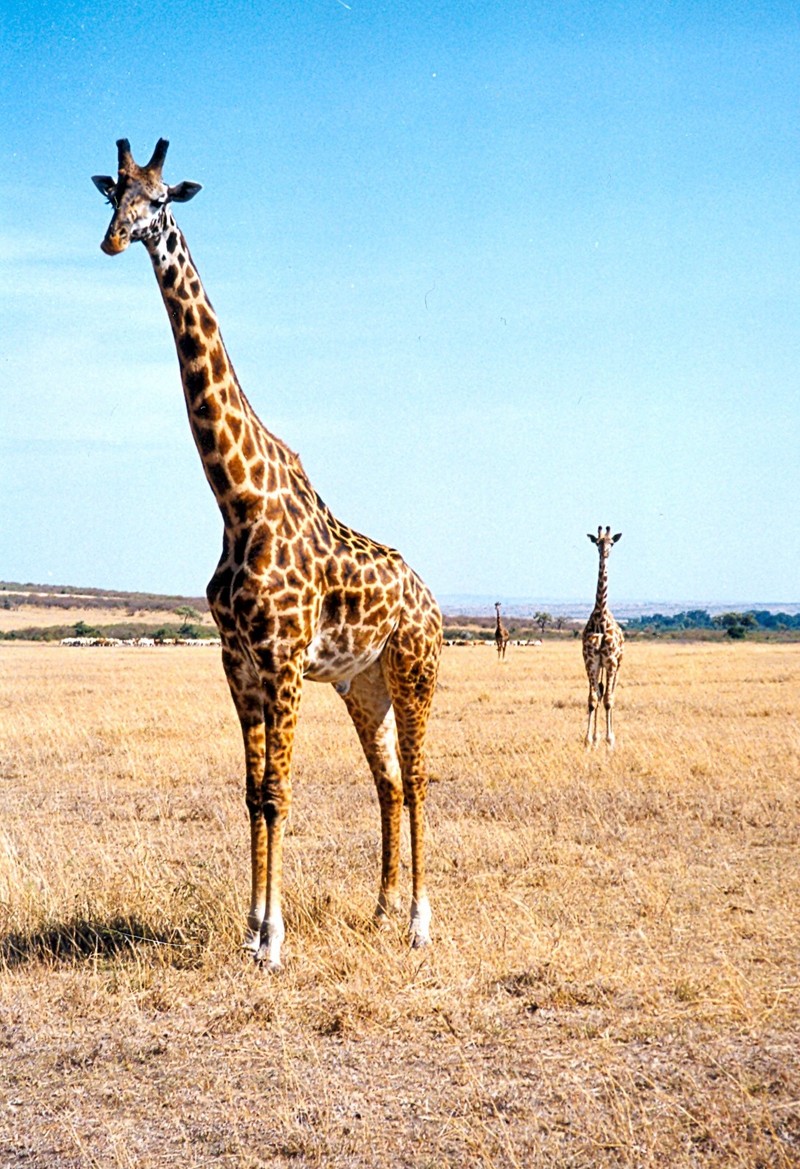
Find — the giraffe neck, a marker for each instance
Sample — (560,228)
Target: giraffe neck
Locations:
(601,598)
(239,455)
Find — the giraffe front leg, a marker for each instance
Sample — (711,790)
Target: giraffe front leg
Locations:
(282,700)
(246,694)
(420,924)
(272,933)
(255,756)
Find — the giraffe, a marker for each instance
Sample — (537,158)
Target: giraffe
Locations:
(602,644)
(500,634)
(296,594)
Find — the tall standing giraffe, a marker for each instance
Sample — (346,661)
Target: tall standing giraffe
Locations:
(602,644)
(296,594)
(500,633)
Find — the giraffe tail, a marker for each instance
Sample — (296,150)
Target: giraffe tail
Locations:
(601,686)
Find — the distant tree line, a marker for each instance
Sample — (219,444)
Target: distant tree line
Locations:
(733,625)
(121,630)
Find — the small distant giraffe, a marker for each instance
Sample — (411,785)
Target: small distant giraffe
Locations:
(602,645)
(500,633)
(296,593)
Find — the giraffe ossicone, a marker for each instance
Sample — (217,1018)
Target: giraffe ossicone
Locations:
(296,594)
(602,645)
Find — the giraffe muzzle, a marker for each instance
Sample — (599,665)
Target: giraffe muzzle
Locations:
(112,245)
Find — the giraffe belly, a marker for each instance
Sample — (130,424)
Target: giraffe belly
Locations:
(332,659)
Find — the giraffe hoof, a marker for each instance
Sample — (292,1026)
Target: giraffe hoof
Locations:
(264,962)
(381,922)
(420,925)
(385,911)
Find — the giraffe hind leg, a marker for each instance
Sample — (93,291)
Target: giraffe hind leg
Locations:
(411,667)
(370,708)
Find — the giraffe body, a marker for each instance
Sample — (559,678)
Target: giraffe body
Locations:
(501,634)
(296,594)
(602,646)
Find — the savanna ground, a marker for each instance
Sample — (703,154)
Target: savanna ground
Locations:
(614,978)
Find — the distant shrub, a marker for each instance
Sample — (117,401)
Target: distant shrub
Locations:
(38,633)
(81,629)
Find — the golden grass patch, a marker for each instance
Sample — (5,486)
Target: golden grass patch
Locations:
(615,970)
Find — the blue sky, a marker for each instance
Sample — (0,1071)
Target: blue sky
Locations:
(499,272)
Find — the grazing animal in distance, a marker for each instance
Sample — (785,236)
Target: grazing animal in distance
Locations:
(500,633)
(296,594)
(602,644)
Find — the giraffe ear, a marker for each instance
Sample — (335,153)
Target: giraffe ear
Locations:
(183,192)
(105,184)
(617,537)
(591,537)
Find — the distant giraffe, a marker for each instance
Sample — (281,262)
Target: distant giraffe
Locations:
(296,594)
(602,645)
(500,634)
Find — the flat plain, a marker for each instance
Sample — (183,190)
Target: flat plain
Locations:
(615,974)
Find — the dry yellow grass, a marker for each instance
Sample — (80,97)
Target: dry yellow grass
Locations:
(614,979)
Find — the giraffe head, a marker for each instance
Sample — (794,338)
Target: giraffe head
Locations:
(138,196)
(604,540)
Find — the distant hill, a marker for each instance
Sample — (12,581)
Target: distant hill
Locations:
(15,595)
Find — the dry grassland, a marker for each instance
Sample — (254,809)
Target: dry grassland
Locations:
(614,979)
